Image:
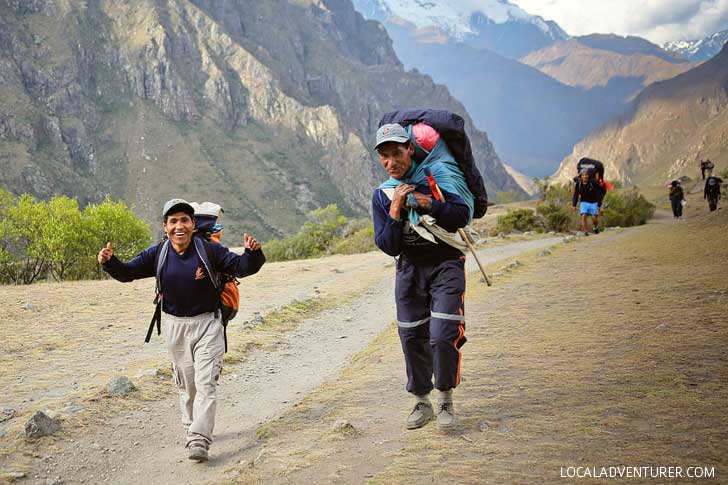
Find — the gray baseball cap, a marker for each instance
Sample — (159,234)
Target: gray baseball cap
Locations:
(180,205)
(391,132)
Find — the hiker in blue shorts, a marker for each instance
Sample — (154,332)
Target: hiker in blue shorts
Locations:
(430,276)
(589,194)
(190,309)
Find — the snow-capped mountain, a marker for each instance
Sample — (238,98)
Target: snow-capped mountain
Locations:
(497,25)
(701,49)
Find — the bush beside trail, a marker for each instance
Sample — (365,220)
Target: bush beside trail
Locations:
(56,240)
(326,231)
(621,207)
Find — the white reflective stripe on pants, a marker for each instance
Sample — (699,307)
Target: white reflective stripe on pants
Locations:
(196,346)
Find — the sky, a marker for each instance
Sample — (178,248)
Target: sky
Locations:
(659,21)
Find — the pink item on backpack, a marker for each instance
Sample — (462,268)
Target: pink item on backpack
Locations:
(425,135)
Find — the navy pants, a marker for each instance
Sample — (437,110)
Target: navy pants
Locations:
(677,207)
(431,319)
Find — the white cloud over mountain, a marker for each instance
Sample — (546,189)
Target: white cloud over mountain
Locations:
(657,20)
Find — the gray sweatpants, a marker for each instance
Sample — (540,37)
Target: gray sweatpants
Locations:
(196,346)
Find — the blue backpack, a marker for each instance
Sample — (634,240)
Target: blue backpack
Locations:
(452,129)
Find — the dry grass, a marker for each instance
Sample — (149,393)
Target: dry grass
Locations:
(611,351)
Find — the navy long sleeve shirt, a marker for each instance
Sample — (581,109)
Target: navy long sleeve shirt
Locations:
(187,289)
(392,236)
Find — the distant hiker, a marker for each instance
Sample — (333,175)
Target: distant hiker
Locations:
(676,199)
(589,194)
(711,192)
(709,166)
(702,168)
(430,277)
(191,314)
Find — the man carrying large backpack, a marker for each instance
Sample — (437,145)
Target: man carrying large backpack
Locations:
(589,194)
(419,227)
(191,310)
(711,192)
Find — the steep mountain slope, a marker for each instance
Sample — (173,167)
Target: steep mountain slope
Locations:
(496,25)
(699,49)
(266,107)
(621,69)
(673,124)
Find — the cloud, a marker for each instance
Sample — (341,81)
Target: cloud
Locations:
(657,20)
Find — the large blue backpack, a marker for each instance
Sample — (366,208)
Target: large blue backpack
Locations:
(452,129)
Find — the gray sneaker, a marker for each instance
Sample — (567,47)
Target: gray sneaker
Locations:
(420,416)
(445,416)
(197,451)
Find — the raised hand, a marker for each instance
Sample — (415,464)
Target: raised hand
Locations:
(249,242)
(106,253)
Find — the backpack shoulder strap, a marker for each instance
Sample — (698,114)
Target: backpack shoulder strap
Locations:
(205,252)
(160,256)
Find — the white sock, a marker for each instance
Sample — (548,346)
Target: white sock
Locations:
(443,396)
(425,398)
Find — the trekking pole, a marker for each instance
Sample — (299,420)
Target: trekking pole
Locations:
(438,196)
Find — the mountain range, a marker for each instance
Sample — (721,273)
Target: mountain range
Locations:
(672,125)
(536,107)
(268,108)
(699,49)
(496,25)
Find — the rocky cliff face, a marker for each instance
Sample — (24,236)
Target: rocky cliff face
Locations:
(268,108)
(672,126)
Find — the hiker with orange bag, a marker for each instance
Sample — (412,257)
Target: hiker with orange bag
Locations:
(189,308)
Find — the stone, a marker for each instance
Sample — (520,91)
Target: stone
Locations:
(28,306)
(120,386)
(73,409)
(40,424)
(545,252)
(497,274)
(484,426)
(260,457)
(6,413)
(16,474)
(147,373)
(343,426)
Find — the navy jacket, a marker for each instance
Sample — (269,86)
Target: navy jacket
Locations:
(187,288)
(390,235)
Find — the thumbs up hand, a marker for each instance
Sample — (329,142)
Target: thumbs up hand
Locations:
(106,253)
(249,242)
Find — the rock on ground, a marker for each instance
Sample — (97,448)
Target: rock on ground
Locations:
(40,424)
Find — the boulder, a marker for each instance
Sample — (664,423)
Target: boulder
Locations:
(40,424)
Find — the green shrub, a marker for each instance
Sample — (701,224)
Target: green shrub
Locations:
(558,218)
(625,208)
(360,241)
(56,240)
(517,220)
(322,227)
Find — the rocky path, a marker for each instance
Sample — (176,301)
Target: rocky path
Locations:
(146,445)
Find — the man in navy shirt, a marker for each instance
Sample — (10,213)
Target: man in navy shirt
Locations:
(430,279)
(191,314)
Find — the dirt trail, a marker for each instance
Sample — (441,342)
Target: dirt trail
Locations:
(131,448)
